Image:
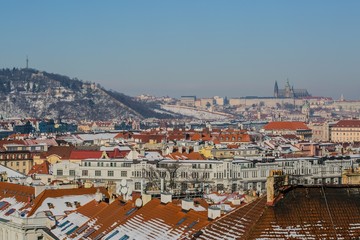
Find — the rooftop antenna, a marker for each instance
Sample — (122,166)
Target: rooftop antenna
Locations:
(27,62)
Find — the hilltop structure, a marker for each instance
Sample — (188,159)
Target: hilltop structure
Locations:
(289,91)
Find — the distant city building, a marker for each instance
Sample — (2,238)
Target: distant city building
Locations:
(188,101)
(346,131)
(289,91)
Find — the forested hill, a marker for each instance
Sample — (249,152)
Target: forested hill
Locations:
(38,94)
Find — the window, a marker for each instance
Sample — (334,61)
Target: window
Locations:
(85,172)
(110,173)
(97,173)
(137,186)
(59,172)
(24,163)
(72,172)
(124,173)
(17,164)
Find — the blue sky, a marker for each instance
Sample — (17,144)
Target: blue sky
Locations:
(189,47)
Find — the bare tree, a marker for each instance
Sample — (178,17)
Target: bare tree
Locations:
(166,171)
(172,170)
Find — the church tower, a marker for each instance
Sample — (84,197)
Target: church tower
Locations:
(276,90)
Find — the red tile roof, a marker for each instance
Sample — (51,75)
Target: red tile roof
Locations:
(53,193)
(330,212)
(62,151)
(19,192)
(84,154)
(91,208)
(286,126)
(43,168)
(117,153)
(348,123)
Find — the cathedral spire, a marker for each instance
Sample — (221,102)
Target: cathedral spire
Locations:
(276,90)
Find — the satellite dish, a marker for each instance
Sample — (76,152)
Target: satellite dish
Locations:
(123,182)
(138,202)
(124,190)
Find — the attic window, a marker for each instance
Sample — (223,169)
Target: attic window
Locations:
(48,213)
(77,204)
(68,204)
(50,205)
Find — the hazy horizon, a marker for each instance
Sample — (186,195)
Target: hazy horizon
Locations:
(202,48)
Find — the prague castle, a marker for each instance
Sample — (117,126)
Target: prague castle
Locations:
(289,91)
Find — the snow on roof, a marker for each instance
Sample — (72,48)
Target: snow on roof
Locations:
(11,173)
(92,137)
(153,156)
(6,204)
(58,205)
(73,220)
(156,228)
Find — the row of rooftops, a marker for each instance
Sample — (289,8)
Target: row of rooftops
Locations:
(83,213)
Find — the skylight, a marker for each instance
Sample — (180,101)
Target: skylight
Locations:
(181,221)
(88,233)
(3,205)
(71,230)
(111,235)
(83,228)
(10,212)
(125,237)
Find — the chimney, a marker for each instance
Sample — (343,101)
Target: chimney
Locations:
(166,198)
(145,198)
(236,201)
(162,185)
(98,195)
(187,204)
(270,191)
(213,212)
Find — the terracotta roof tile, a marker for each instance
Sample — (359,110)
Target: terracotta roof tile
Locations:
(348,123)
(286,126)
(83,154)
(53,193)
(20,192)
(62,151)
(43,168)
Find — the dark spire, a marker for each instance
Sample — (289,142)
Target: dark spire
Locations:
(276,90)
